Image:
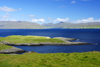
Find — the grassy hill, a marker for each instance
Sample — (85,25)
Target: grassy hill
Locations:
(19,25)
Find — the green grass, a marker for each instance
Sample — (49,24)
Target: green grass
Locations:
(29,39)
(2,46)
(86,59)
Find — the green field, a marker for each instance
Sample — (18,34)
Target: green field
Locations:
(88,59)
(85,59)
(29,39)
(2,46)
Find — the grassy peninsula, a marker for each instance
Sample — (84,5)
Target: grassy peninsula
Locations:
(85,59)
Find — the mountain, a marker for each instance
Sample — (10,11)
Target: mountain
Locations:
(30,25)
(19,25)
(72,25)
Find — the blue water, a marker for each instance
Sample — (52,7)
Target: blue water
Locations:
(83,35)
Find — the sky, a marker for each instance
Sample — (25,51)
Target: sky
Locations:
(50,11)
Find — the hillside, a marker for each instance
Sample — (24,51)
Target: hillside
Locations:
(73,25)
(19,25)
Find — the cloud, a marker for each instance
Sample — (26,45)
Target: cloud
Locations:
(73,2)
(8,9)
(87,20)
(31,16)
(12,20)
(8,20)
(37,20)
(59,20)
(6,16)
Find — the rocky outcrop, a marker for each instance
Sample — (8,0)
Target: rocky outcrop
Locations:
(12,50)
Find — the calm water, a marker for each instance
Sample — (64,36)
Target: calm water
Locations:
(83,35)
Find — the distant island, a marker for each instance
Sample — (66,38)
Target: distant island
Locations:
(60,25)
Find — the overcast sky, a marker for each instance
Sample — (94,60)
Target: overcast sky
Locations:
(50,11)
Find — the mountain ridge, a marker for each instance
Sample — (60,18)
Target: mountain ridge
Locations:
(19,25)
